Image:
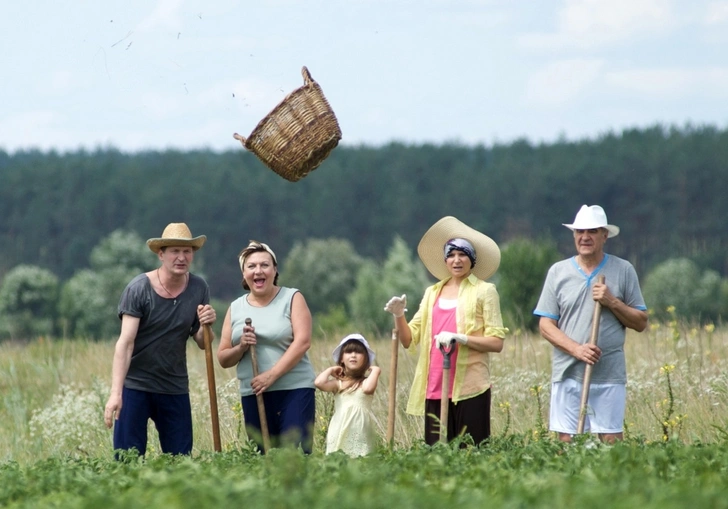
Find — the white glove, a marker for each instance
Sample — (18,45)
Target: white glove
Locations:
(397,305)
(444,338)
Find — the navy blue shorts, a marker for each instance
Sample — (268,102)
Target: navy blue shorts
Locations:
(172,416)
(290,416)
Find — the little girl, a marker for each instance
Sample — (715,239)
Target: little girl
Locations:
(352,426)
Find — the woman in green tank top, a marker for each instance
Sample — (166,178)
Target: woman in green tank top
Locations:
(280,330)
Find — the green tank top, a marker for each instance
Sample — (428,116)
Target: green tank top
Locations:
(274,334)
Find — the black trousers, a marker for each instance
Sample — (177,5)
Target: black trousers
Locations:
(470,416)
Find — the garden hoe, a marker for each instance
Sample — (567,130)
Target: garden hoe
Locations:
(445,395)
(596,318)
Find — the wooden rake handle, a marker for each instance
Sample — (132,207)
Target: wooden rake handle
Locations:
(596,319)
(393,387)
(259,397)
(207,336)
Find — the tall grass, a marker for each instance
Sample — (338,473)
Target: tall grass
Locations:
(52,392)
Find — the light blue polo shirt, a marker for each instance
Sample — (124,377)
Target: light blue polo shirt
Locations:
(567,298)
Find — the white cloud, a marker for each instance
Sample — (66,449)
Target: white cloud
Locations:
(165,15)
(672,83)
(561,81)
(716,13)
(584,24)
(61,82)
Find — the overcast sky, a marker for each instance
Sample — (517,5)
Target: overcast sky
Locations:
(186,74)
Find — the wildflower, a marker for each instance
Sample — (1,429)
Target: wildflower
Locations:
(667,369)
(709,328)
(671,309)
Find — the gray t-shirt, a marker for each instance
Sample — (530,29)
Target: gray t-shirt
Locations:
(159,360)
(567,298)
(274,334)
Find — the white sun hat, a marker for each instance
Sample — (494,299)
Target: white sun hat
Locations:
(360,339)
(592,216)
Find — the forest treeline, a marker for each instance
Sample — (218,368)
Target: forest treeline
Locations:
(664,186)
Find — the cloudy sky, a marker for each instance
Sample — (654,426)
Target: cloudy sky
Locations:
(186,74)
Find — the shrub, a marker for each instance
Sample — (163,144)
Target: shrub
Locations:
(323,269)
(678,282)
(523,268)
(402,273)
(28,302)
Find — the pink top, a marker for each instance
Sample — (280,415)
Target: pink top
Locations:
(443,319)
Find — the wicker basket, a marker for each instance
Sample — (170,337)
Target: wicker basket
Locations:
(296,137)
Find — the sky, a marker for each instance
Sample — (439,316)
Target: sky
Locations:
(186,74)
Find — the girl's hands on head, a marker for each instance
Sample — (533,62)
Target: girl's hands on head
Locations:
(337,372)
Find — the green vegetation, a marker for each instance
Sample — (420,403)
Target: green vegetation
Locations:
(56,452)
(508,473)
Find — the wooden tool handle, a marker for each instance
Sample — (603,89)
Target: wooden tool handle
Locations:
(593,338)
(259,397)
(392,388)
(207,336)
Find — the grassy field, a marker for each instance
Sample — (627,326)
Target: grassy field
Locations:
(52,396)
(53,392)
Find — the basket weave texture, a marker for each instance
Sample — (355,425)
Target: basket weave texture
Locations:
(298,134)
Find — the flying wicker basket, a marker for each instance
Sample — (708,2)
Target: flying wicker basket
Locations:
(296,137)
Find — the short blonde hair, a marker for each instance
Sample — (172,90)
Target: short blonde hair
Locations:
(257,247)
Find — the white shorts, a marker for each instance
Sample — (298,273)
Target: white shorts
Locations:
(604,413)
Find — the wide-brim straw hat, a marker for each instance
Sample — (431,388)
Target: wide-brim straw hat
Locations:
(432,248)
(360,339)
(590,217)
(176,234)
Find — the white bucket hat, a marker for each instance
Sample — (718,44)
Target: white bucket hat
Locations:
(432,245)
(360,339)
(592,216)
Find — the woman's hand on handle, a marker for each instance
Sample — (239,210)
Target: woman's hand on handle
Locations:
(398,307)
(447,338)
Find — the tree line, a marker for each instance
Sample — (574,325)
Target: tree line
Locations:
(662,185)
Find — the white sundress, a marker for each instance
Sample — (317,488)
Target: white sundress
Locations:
(352,427)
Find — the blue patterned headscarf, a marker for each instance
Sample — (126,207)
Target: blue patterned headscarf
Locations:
(461,245)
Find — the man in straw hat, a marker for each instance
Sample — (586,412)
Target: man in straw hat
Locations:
(460,307)
(159,311)
(566,309)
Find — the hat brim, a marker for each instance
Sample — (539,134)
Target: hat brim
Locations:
(360,339)
(612,230)
(156,244)
(431,248)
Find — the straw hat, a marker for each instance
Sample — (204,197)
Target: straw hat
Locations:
(590,217)
(176,234)
(432,248)
(360,339)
